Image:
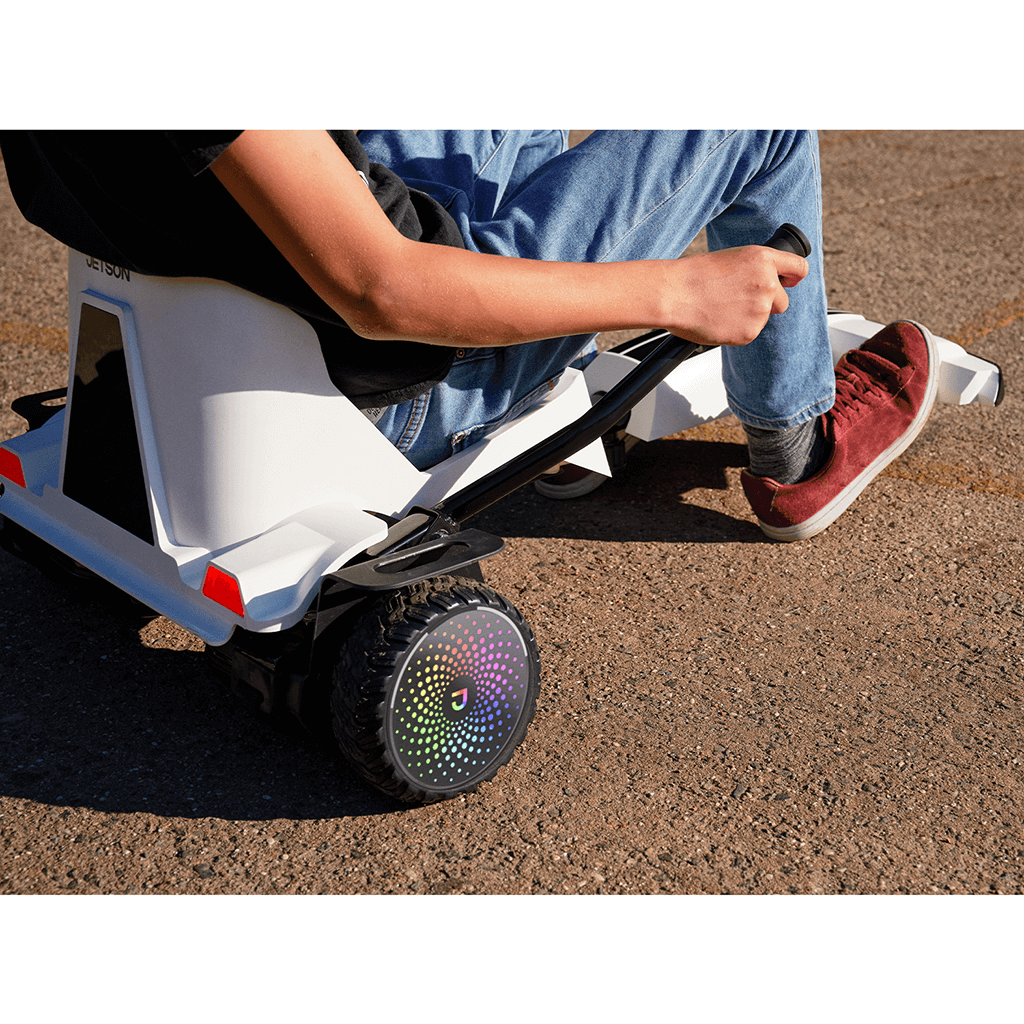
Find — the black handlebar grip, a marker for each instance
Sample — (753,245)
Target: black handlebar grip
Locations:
(790,238)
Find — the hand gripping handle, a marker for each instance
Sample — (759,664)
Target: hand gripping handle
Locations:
(789,238)
(643,378)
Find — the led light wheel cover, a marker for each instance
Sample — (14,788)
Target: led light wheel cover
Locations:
(459,698)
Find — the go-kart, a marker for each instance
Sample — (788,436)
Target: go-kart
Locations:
(204,464)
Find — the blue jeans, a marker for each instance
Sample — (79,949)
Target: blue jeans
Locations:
(619,195)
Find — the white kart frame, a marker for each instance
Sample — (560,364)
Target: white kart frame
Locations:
(259,478)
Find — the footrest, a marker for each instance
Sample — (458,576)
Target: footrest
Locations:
(963,377)
(966,378)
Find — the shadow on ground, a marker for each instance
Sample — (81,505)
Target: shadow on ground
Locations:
(653,500)
(95,715)
(92,716)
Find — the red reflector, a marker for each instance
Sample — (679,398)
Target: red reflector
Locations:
(222,588)
(10,467)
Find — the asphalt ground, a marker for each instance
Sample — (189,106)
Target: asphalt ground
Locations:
(719,714)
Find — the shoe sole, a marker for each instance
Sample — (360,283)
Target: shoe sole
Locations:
(824,518)
(561,492)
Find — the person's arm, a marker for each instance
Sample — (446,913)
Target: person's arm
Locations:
(307,198)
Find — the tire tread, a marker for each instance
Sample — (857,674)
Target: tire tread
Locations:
(367,663)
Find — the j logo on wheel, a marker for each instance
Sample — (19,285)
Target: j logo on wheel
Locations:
(459,698)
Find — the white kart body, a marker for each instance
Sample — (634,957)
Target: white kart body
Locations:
(252,462)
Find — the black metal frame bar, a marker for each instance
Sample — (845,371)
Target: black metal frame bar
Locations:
(608,411)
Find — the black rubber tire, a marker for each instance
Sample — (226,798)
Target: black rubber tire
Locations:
(436,643)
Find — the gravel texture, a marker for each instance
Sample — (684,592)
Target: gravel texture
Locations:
(719,714)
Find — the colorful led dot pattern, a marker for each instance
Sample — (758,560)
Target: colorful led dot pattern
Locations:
(460,698)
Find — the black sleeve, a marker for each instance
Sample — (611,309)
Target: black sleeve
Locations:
(139,200)
(198,149)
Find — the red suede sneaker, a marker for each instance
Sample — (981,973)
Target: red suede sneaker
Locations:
(884,392)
